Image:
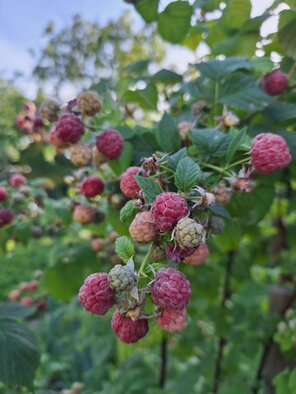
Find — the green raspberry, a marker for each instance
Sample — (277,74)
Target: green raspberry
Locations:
(188,233)
(122,278)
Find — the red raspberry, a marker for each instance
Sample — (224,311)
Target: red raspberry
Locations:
(127,330)
(69,128)
(83,214)
(269,152)
(95,294)
(3,194)
(167,209)
(274,83)
(176,254)
(27,301)
(31,286)
(110,143)
(97,245)
(6,216)
(170,290)
(17,180)
(128,184)
(14,295)
(55,140)
(173,321)
(142,228)
(199,256)
(42,305)
(92,186)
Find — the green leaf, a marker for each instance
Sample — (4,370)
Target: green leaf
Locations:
(292,381)
(220,210)
(147,9)
(137,67)
(210,142)
(19,354)
(218,69)
(186,174)
(174,21)
(150,188)
(280,111)
(166,77)
(128,211)
(168,135)
(236,12)
(124,248)
(120,164)
(14,310)
(281,382)
(287,31)
(146,98)
(235,144)
(176,157)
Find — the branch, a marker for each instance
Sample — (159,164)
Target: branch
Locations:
(163,362)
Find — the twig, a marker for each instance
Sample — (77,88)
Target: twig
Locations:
(163,362)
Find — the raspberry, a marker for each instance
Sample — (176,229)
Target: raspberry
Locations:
(274,83)
(49,110)
(110,143)
(55,140)
(89,103)
(198,107)
(18,198)
(97,158)
(31,286)
(176,254)
(127,330)
(269,153)
(6,216)
(27,301)
(84,214)
(173,321)
(81,155)
(92,186)
(142,228)
(128,184)
(222,193)
(170,290)
(188,233)
(42,305)
(95,294)
(17,180)
(97,245)
(217,225)
(69,128)
(167,209)
(199,256)
(230,119)
(14,295)
(158,254)
(122,278)
(3,194)
(184,128)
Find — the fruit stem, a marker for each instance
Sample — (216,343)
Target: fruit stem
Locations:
(145,261)
(245,160)
(167,168)
(218,169)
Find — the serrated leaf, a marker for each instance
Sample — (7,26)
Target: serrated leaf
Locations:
(150,188)
(217,69)
(287,31)
(147,9)
(236,12)
(146,98)
(210,142)
(174,159)
(168,135)
(174,21)
(235,144)
(14,310)
(186,174)
(280,111)
(124,248)
(137,67)
(166,77)
(128,211)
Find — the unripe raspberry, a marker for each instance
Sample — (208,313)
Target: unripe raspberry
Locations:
(3,194)
(176,254)
(30,108)
(97,245)
(170,290)
(188,233)
(184,128)
(274,83)
(158,254)
(81,155)
(89,103)
(122,278)
(127,330)
(6,216)
(27,301)
(173,321)
(92,186)
(198,107)
(25,190)
(83,214)
(38,127)
(55,139)
(18,198)
(110,143)
(217,225)
(199,256)
(17,180)
(142,228)
(222,193)
(69,128)
(269,152)
(115,260)
(97,158)
(49,110)
(128,184)
(14,295)
(96,295)
(37,274)
(77,387)
(230,119)
(167,209)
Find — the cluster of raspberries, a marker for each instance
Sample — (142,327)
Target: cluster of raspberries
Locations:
(170,292)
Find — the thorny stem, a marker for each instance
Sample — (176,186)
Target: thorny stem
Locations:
(222,340)
(163,362)
(145,261)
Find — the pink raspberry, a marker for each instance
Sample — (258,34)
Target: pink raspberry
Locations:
(3,194)
(127,330)
(110,143)
(31,286)
(176,254)
(95,294)
(128,184)
(6,216)
(27,301)
(17,180)
(92,186)
(269,152)
(97,245)
(14,295)
(199,256)
(167,209)
(142,228)
(69,128)
(84,214)
(274,83)
(173,321)
(170,290)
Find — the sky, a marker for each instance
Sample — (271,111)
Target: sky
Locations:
(22,24)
